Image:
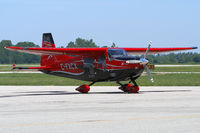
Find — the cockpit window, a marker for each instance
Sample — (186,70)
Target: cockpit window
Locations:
(113,53)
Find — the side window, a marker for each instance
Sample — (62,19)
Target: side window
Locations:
(113,53)
(102,60)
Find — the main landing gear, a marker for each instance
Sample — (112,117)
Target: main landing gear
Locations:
(129,87)
(84,88)
(124,87)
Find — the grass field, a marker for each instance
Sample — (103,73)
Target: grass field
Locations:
(43,79)
(177,69)
(157,69)
(160,79)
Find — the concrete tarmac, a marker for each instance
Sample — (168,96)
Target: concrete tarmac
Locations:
(60,109)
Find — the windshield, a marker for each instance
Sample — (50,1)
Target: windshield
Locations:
(113,53)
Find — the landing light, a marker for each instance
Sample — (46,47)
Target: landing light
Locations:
(143,61)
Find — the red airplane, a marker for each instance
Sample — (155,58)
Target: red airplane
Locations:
(94,64)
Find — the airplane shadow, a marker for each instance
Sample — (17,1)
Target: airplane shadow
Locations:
(165,91)
(44,93)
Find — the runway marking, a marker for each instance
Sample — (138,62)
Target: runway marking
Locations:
(101,121)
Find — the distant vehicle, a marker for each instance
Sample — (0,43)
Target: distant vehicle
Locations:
(94,64)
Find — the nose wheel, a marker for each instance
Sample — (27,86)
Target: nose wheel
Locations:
(129,87)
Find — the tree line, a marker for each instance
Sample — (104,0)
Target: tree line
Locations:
(10,57)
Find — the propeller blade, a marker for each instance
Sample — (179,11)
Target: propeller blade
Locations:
(148,73)
(145,55)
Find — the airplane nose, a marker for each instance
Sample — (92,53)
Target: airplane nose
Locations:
(143,61)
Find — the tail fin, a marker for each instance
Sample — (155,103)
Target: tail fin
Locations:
(47,41)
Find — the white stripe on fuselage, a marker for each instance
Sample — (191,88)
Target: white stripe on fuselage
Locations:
(67,72)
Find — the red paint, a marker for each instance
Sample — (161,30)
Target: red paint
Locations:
(39,68)
(14,66)
(48,45)
(53,58)
(91,51)
(83,88)
(129,88)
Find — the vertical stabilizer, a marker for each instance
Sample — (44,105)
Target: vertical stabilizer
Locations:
(47,41)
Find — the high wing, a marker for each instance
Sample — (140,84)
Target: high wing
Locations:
(140,51)
(59,51)
(92,51)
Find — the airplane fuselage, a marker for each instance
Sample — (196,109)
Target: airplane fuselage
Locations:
(101,68)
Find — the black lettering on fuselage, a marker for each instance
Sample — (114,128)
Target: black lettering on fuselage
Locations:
(68,66)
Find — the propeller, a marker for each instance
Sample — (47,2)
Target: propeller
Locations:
(145,60)
(145,55)
(148,73)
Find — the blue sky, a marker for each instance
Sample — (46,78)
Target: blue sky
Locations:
(128,23)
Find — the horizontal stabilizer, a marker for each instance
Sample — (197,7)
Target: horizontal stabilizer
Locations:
(36,68)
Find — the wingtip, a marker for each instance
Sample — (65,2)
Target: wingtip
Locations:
(194,47)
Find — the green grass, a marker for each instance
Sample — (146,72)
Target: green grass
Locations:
(5,68)
(157,69)
(43,79)
(160,79)
(177,69)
